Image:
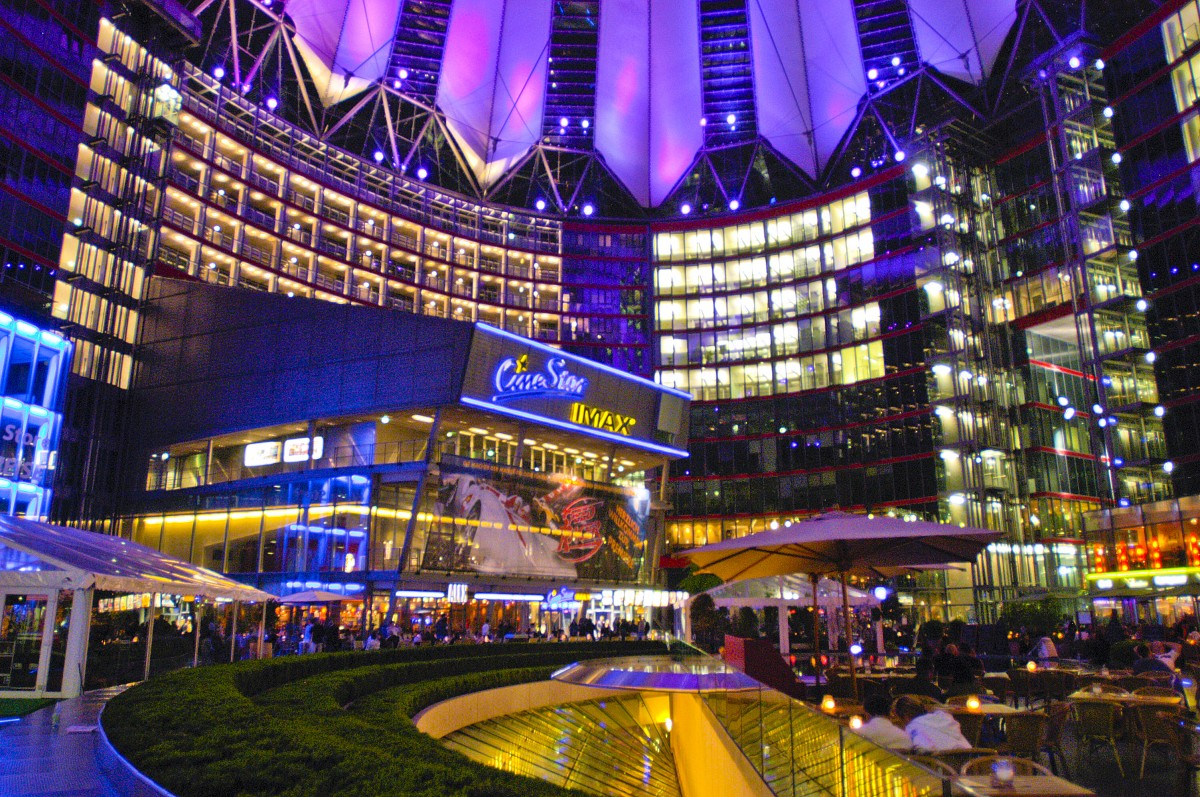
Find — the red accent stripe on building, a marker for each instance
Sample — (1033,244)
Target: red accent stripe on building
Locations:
(1061,370)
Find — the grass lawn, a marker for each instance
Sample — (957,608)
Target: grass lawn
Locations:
(20,706)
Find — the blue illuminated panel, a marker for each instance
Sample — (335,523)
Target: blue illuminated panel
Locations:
(34,363)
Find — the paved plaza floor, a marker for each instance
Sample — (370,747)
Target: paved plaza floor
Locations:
(52,752)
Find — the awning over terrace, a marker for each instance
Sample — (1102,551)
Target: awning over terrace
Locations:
(40,556)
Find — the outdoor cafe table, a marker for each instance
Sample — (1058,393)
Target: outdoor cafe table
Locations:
(1025,786)
(1127,700)
(986,709)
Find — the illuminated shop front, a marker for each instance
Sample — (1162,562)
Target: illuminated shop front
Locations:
(34,363)
(437,467)
(1145,560)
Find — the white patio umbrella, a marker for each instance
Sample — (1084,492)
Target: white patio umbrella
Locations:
(841,544)
(312,596)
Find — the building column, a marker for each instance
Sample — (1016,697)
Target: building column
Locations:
(78,630)
(149,639)
(43,673)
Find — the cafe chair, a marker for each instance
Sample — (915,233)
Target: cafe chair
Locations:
(1022,685)
(1024,733)
(1187,751)
(1133,682)
(1056,723)
(1098,722)
(939,768)
(1055,684)
(1155,728)
(1156,691)
(1021,766)
(971,725)
(957,758)
(999,686)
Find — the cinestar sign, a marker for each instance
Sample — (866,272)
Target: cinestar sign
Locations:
(513,380)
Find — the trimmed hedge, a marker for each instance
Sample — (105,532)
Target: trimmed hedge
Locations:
(279,727)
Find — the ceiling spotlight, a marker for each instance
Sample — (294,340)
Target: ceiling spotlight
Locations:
(703,121)
(563,121)
(378,156)
(1068,413)
(219,73)
(856,172)
(1151,357)
(685,208)
(1160,411)
(899,155)
(1063,401)
(895,60)
(1116,157)
(588,209)
(1124,206)
(1074,62)
(1168,466)
(585,124)
(734,204)
(540,204)
(1108,112)
(404,74)
(872,74)
(422,173)
(731,120)
(1142,305)
(1099,63)
(900,71)
(1133,255)
(272,103)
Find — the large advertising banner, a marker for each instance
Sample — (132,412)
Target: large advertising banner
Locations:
(495,520)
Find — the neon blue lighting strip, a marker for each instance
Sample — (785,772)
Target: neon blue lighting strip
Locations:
(571,427)
(504,333)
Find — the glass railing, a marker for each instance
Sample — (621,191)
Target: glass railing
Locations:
(797,750)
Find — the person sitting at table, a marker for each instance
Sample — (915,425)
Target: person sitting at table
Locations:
(879,728)
(1166,652)
(922,684)
(1148,663)
(963,682)
(1045,651)
(967,656)
(944,662)
(929,731)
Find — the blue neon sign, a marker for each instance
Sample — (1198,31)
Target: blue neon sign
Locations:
(513,380)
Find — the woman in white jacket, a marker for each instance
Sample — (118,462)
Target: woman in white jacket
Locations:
(929,731)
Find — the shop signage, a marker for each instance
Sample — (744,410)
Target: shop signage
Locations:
(259,454)
(296,449)
(272,452)
(456,593)
(1104,583)
(609,421)
(513,380)
(1170,581)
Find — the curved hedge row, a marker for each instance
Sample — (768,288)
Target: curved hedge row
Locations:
(282,726)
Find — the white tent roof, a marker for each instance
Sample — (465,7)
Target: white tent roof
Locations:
(40,556)
(795,588)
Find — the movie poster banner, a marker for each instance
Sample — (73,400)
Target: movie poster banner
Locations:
(500,521)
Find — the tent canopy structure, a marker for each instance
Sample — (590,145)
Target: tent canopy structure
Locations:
(837,543)
(40,556)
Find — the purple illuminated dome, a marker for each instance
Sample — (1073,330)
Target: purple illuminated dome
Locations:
(482,71)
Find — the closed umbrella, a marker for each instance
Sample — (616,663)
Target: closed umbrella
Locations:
(841,544)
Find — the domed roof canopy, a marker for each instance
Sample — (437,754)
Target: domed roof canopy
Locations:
(643,86)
